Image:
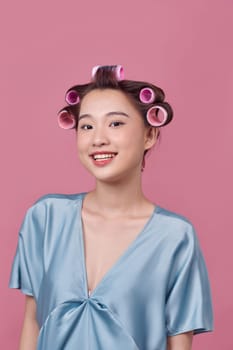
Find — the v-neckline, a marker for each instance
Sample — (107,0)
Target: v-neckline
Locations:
(89,293)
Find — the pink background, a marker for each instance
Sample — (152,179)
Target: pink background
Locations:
(183,46)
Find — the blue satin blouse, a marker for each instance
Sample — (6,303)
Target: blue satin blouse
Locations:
(157,288)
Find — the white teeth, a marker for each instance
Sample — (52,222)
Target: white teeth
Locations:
(103,156)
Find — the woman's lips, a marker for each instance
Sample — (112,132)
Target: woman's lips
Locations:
(102,159)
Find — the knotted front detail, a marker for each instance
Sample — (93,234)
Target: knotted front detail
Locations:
(82,322)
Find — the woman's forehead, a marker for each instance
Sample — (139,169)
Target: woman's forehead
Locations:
(106,100)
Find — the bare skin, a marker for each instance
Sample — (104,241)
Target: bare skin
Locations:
(109,122)
(30,329)
(103,248)
(180,342)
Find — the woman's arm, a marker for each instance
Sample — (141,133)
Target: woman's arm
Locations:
(180,342)
(30,329)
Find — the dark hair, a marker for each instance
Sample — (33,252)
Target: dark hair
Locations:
(105,78)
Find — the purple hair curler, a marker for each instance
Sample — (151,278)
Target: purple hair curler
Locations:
(72,97)
(147,95)
(66,120)
(153,118)
(119,72)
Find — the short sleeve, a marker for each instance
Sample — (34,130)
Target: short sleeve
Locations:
(188,302)
(27,266)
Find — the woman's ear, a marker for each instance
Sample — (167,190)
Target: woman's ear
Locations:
(151,136)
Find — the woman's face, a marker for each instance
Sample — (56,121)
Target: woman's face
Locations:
(111,135)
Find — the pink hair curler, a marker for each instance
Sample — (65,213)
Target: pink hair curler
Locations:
(119,72)
(94,70)
(153,118)
(147,95)
(66,120)
(118,69)
(72,97)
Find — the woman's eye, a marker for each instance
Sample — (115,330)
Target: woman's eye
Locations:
(114,124)
(85,127)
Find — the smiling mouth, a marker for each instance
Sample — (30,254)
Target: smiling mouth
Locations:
(99,157)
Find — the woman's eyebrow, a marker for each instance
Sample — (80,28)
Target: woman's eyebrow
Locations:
(117,113)
(109,114)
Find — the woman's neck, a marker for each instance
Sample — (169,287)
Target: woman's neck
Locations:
(118,198)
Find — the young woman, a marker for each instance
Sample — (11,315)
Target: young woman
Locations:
(108,269)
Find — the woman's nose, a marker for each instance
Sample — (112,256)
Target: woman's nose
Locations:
(100,137)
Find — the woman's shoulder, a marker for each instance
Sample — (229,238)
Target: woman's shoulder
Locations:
(55,200)
(51,203)
(59,198)
(171,216)
(175,225)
